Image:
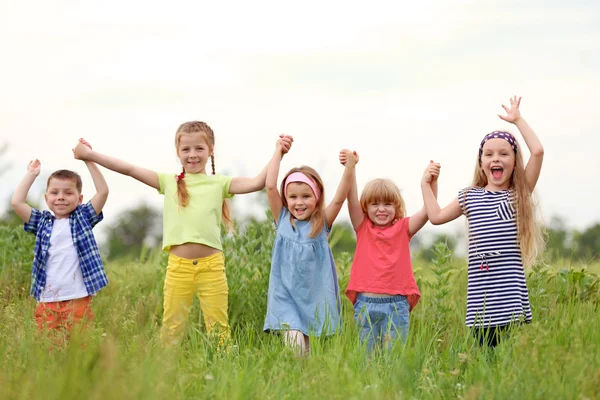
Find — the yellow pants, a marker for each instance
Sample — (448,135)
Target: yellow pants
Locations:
(204,276)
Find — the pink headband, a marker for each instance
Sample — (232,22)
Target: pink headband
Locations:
(300,177)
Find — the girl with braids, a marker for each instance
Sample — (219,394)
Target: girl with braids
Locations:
(303,296)
(194,208)
(503,231)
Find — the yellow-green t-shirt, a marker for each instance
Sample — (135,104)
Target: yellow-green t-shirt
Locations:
(200,220)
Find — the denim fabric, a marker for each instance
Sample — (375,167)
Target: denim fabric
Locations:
(381,320)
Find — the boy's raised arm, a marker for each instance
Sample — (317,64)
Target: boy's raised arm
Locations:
(99,198)
(19,198)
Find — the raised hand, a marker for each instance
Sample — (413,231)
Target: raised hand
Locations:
(432,172)
(512,114)
(284,143)
(345,154)
(82,150)
(34,167)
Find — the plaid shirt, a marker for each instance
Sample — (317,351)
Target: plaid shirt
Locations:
(81,221)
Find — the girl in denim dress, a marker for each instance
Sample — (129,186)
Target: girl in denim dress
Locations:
(303,297)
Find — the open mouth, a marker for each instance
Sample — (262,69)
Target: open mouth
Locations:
(497,172)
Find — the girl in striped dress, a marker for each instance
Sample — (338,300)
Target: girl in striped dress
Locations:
(503,231)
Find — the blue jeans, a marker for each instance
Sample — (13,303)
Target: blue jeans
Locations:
(381,319)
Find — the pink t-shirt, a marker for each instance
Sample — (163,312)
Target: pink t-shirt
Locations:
(382,262)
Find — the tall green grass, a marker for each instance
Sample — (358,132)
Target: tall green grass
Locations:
(555,357)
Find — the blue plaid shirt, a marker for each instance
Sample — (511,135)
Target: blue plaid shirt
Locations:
(81,221)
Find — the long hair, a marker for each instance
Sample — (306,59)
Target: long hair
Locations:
(529,231)
(317,219)
(182,192)
(383,190)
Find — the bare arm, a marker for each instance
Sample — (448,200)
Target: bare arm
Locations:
(242,185)
(436,215)
(333,209)
(534,165)
(99,198)
(19,198)
(273,196)
(419,219)
(354,209)
(150,178)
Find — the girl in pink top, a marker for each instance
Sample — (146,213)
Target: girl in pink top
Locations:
(382,285)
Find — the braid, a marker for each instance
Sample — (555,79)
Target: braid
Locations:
(212,162)
(182,193)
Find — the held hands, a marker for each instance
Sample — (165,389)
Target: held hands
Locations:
(348,156)
(432,172)
(82,150)
(34,167)
(512,114)
(284,143)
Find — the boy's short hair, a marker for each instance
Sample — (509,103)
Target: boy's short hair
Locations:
(66,175)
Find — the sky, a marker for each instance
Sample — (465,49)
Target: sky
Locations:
(400,82)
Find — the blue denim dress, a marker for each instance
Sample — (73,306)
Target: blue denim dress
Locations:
(303,286)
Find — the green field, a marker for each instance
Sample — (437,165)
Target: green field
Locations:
(555,357)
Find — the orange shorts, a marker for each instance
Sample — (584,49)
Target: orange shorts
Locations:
(64,315)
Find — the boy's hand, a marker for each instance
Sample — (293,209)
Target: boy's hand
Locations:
(34,167)
(512,114)
(348,157)
(82,150)
(345,154)
(284,143)
(432,172)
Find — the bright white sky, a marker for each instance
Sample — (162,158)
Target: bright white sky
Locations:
(400,82)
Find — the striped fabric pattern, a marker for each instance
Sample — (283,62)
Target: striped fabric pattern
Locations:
(497,292)
(81,221)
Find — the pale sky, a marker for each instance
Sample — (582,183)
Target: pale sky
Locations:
(399,82)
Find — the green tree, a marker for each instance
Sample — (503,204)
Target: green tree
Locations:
(440,239)
(557,239)
(587,243)
(135,229)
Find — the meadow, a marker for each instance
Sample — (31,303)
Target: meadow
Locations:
(557,356)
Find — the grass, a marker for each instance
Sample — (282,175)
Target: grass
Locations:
(555,357)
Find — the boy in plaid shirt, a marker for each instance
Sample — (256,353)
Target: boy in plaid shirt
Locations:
(67,268)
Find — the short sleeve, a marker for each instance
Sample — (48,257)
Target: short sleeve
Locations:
(284,213)
(162,182)
(34,220)
(226,183)
(462,200)
(89,213)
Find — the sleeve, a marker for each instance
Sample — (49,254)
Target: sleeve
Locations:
(284,213)
(162,181)
(462,200)
(34,221)
(226,183)
(89,213)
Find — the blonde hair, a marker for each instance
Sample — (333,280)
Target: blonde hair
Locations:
(182,193)
(529,230)
(383,190)
(317,219)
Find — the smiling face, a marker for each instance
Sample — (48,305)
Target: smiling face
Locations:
(62,197)
(381,213)
(497,163)
(301,201)
(193,151)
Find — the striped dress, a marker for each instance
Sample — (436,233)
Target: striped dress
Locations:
(497,292)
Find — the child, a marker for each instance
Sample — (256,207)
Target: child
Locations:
(502,227)
(303,293)
(194,208)
(382,285)
(67,268)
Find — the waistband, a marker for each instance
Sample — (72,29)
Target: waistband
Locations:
(194,261)
(387,299)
